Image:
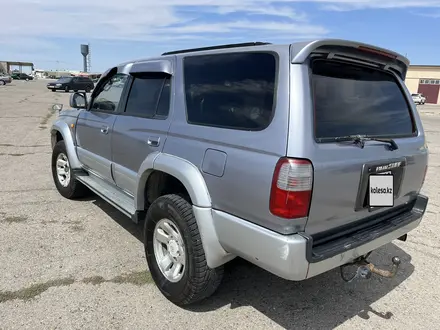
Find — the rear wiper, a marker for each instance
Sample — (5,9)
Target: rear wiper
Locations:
(360,140)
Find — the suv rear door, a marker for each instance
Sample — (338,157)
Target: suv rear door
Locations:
(141,126)
(349,98)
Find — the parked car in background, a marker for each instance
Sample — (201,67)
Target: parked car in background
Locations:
(5,79)
(418,98)
(284,166)
(72,83)
(21,76)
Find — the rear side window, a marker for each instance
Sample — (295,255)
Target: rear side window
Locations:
(149,96)
(352,100)
(234,90)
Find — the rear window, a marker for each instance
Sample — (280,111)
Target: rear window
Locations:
(352,100)
(233,90)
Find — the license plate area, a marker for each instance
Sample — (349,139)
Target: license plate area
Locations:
(393,167)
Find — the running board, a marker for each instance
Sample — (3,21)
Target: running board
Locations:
(111,194)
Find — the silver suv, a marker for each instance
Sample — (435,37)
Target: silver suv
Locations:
(298,158)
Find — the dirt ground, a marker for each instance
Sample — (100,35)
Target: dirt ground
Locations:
(80,264)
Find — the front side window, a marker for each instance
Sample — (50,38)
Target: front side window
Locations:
(352,100)
(64,80)
(109,95)
(149,96)
(234,90)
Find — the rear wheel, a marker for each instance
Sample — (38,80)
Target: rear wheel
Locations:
(54,90)
(175,254)
(88,89)
(67,185)
(2,83)
(67,89)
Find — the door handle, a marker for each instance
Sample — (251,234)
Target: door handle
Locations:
(104,129)
(153,141)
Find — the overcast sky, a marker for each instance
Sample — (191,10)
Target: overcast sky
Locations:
(49,33)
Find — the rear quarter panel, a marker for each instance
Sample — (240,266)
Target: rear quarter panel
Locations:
(240,164)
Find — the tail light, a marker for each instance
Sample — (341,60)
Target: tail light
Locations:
(291,190)
(377,51)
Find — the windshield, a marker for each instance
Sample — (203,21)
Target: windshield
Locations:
(357,100)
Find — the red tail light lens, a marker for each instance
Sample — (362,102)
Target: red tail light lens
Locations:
(291,190)
(376,51)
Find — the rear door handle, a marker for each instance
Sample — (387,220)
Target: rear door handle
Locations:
(153,141)
(104,129)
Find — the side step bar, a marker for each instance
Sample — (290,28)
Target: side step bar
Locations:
(110,194)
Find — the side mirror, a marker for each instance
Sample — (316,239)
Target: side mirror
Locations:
(57,107)
(78,101)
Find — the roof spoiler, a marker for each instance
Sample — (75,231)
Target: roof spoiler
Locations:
(352,51)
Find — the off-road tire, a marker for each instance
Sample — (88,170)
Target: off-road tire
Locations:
(74,189)
(199,281)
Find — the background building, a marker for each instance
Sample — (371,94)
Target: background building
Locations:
(424,79)
(6,66)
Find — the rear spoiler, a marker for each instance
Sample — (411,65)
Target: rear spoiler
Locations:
(351,51)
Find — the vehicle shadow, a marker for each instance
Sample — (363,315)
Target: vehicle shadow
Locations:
(322,302)
(121,219)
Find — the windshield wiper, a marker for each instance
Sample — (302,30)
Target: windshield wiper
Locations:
(360,140)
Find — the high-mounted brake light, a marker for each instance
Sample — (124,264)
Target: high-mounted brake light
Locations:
(376,51)
(291,190)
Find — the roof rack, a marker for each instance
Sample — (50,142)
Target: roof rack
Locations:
(245,44)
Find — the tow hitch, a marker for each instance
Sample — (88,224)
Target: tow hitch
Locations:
(366,268)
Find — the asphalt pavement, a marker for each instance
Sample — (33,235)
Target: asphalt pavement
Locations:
(81,265)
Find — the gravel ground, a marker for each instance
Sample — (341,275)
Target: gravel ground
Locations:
(80,264)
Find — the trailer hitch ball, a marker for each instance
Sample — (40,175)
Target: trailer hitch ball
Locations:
(396,261)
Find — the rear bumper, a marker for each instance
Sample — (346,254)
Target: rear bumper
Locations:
(290,256)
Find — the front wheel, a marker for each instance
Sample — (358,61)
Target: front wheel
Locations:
(2,83)
(175,254)
(67,90)
(66,183)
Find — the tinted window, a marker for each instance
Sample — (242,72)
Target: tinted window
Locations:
(230,90)
(109,95)
(64,80)
(149,96)
(352,100)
